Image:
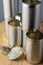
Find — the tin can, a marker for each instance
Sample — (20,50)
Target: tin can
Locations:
(30,16)
(19,17)
(34,47)
(14,33)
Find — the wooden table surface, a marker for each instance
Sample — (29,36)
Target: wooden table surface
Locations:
(4,59)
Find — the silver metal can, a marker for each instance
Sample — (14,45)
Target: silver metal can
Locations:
(30,16)
(34,47)
(14,33)
(19,17)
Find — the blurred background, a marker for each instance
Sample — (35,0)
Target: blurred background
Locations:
(2,12)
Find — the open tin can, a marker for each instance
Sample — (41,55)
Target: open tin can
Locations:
(14,33)
(34,47)
(30,15)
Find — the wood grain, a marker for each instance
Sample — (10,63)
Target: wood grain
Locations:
(4,59)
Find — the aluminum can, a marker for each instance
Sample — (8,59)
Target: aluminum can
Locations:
(34,47)
(14,33)
(30,16)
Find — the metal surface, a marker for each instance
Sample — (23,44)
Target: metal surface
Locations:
(19,16)
(30,16)
(14,34)
(6,27)
(7,9)
(11,8)
(24,40)
(41,27)
(15,7)
(34,49)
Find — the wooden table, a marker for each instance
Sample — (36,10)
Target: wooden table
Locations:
(4,59)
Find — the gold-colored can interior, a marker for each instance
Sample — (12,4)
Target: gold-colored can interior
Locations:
(35,35)
(31,1)
(14,22)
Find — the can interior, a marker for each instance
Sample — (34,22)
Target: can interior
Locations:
(31,1)
(35,35)
(15,23)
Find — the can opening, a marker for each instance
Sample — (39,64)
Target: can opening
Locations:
(15,23)
(31,1)
(35,35)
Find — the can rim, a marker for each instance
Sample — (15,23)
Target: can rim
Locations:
(35,3)
(14,21)
(41,35)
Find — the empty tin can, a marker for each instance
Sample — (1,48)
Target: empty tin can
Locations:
(30,15)
(34,47)
(14,33)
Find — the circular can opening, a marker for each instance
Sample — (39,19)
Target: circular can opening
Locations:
(34,35)
(31,1)
(14,22)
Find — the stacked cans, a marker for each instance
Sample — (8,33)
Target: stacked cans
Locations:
(30,17)
(30,24)
(16,31)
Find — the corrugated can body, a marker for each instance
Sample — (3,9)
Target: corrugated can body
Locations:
(34,50)
(30,16)
(14,35)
